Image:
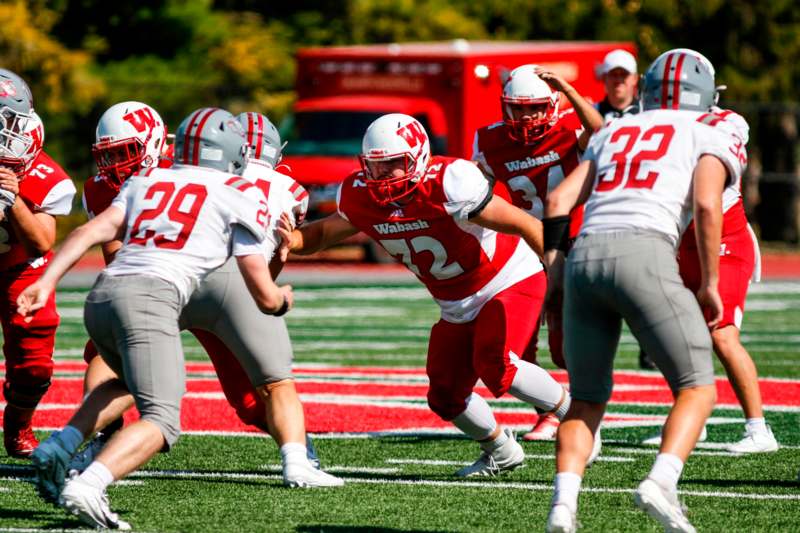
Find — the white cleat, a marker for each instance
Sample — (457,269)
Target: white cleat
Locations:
(561,520)
(597,447)
(755,442)
(90,505)
(506,458)
(304,475)
(84,458)
(663,506)
(655,440)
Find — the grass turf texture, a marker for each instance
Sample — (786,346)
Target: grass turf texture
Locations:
(211,483)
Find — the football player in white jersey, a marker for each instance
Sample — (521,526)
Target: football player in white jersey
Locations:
(177,225)
(738,265)
(642,178)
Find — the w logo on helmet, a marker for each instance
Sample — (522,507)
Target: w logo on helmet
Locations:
(141,119)
(413,134)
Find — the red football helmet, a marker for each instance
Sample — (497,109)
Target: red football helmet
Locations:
(525,88)
(395,153)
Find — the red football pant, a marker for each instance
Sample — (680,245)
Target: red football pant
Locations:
(27,346)
(460,354)
(736,265)
(239,392)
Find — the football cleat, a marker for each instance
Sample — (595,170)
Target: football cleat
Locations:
(545,428)
(18,437)
(84,458)
(597,447)
(561,520)
(662,505)
(304,475)
(655,440)
(50,461)
(90,505)
(505,458)
(755,442)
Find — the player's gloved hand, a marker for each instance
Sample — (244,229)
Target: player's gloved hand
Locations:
(288,300)
(9,188)
(285,229)
(711,303)
(33,298)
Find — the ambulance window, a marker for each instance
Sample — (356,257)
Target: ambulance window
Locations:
(438,142)
(335,133)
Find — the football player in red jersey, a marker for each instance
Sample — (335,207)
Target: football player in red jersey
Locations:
(475,253)
(35,191)
(130,136)
(529,152)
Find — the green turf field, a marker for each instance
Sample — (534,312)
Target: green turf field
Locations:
(405,483)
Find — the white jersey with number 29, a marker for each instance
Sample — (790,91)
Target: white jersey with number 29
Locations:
(644,169)
(184,222)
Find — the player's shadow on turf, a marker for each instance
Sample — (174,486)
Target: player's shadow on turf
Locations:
(791,483)
(358,529)
(59,524)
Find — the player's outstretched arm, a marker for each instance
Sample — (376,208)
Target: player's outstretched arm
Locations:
(103,228)
(270,298)
(501,216)
(590,118)
(709,182)
(572,192)
(313,237)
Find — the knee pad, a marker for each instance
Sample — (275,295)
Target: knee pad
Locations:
(444,405)
(24,395)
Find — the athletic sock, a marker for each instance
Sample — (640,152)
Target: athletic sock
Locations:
(666,471)
(71,438)
(97,475)
(294,453)
(566,487)
(756,425)
(477,419)
(534,385)
(490,446)
(561,412)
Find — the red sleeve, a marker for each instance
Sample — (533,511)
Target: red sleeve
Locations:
(47,187)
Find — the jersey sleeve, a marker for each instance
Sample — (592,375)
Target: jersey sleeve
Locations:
(479,157)
(245,243)
(725,145)
(298,202)
(251,210)
(339,208)
(58,200)
(122,200)
(466,188)
(595,146)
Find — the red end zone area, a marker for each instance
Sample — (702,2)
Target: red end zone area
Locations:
(383,399)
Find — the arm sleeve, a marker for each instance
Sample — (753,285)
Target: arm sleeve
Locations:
(58,200)
(479,158)
(251,211)
(466,188)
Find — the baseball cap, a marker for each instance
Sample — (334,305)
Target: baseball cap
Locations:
(618,59)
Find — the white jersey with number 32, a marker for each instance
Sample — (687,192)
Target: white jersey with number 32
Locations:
(183,222)
(645,165)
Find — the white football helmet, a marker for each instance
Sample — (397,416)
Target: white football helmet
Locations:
(395,153)
(130,135)
(525,87)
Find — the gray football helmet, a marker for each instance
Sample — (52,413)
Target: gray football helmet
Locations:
(211,137)
(16,110)
(679,79)
(262,137)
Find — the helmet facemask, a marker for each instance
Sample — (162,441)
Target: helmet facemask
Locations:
(118,160)
(15,141)
(390,178)
(525,128)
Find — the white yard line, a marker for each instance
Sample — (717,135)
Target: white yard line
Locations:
(341,469)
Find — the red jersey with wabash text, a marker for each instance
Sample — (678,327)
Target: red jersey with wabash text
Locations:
(46,188)
(462,264)
(528,172)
